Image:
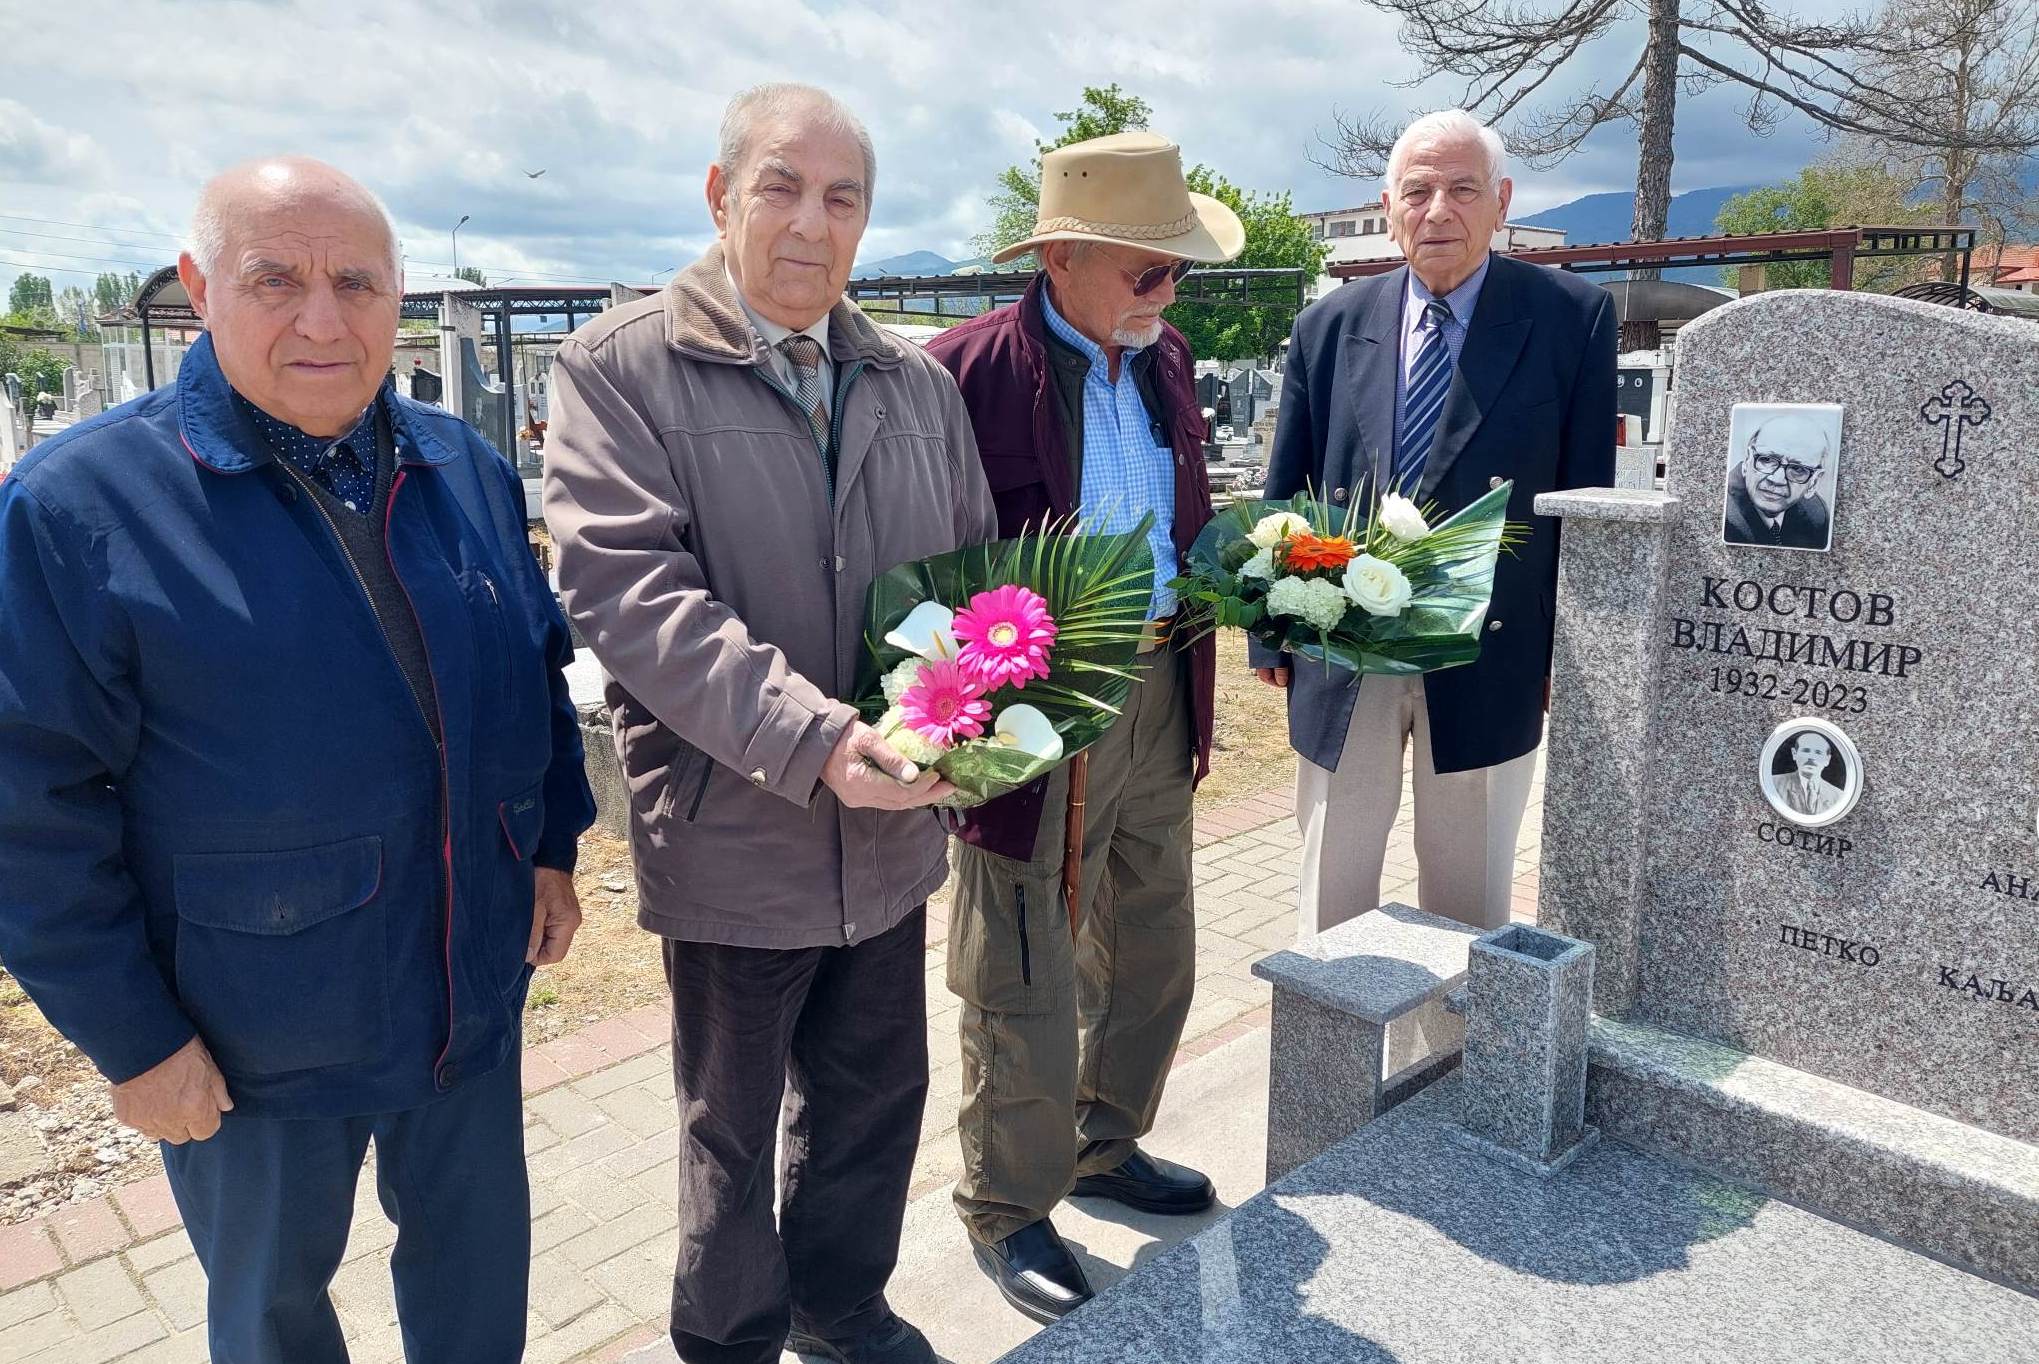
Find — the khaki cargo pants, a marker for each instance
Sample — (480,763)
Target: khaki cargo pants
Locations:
(1067,1044)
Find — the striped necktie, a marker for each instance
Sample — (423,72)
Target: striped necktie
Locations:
(1429,382)
(805,353)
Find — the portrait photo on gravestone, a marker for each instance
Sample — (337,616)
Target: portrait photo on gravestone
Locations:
(1782,470)
(1811,772)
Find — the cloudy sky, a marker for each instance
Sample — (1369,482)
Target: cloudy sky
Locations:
(111,114)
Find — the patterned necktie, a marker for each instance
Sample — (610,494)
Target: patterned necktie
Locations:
(1429,382)
(805,353)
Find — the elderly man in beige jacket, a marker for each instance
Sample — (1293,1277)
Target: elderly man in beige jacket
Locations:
(729,466)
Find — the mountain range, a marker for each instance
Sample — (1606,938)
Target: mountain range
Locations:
(1593,218)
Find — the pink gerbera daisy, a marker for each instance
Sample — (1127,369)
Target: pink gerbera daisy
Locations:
(1006,634)
(946,705)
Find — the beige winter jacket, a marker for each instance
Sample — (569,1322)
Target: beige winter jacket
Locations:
(718,573)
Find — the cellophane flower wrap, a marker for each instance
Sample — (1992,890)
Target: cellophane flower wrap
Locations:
(1391,593)
(994,665)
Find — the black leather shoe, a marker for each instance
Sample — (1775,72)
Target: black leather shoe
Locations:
(892,1342)
(1151,1185)
(1035,1272)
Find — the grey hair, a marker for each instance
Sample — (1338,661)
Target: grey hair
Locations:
(210,233)
(1451,125)
(782,99)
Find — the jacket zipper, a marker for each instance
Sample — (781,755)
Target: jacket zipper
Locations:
(1026,950)
(445,774)
(835,413)
(360,581)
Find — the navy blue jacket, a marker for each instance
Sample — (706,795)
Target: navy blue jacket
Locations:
(1532,400)
(192,840)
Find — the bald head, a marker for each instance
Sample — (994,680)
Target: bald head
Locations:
(294,268)
(245,193)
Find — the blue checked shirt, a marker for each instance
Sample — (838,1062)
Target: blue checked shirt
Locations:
(1461,301)
(1127,473)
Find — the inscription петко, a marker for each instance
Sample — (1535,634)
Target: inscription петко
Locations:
(1827,945)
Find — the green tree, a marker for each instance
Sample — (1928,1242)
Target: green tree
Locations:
(1016,203)
(30,292)
(1836,192)
(472,275)
(1275,239)
(41,372)
(113,291)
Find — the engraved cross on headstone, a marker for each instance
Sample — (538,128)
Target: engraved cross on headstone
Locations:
(1957,406)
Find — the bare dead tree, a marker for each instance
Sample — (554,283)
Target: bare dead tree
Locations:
(1973,65)
(1842,75)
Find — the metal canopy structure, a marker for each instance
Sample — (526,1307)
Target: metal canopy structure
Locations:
(160,302)
(989,289)
(577,304)
(1841,247)
(1976,298)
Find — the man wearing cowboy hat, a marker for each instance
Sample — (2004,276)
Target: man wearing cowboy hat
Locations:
(1082,401)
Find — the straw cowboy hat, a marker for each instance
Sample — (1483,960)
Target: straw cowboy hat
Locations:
(1128,188)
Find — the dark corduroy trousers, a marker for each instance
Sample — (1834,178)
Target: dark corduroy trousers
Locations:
(831,1043)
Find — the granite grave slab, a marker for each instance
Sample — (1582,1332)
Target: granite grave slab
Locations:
(1791,790)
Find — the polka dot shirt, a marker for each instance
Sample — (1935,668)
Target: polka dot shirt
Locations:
(344,467)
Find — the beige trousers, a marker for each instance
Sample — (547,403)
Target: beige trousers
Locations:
(1466,822)
(1067,1041)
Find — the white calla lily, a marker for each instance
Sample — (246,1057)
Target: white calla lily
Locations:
(928,630)
(1028,730)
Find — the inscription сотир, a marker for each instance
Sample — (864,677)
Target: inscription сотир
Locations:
(1815,648)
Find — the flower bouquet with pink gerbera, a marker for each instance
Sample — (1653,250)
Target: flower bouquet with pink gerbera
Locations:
(994,664)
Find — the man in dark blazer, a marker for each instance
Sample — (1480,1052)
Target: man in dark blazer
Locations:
(1443,378)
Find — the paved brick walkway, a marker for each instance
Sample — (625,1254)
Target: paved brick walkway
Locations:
(115,1280)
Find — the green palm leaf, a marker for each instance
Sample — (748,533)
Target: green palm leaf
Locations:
(1099,589)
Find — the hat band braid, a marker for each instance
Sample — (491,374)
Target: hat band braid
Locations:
(1136,231)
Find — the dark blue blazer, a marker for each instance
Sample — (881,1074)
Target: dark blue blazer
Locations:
(221,810)
(1532,401)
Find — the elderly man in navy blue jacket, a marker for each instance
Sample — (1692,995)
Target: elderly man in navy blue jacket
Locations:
(1444,378)
(290,783)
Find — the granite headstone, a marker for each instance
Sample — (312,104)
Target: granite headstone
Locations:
(1822,850)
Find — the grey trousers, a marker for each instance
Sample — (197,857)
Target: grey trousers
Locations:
(1466,822)
(835,1038)
(1067,1042)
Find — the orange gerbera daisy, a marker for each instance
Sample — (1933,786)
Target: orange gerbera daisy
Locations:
(1307,553)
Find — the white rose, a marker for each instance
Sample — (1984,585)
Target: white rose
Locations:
(1276,527)
(1260,565)
(1317,601)
(1376,586)
(1402,519)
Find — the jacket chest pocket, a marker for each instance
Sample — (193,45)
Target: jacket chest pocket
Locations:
(282,956)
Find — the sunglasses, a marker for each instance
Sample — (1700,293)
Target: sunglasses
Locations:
(1148,280)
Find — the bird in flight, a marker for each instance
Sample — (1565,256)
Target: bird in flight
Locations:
(533,175)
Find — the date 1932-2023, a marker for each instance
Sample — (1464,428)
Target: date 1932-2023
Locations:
(1799,691)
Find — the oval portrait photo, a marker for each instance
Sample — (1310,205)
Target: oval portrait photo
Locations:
(1811,773)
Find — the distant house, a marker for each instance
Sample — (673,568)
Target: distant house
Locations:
(1362,234)
(2007,267)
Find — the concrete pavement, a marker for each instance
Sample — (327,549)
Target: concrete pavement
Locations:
(115,1280)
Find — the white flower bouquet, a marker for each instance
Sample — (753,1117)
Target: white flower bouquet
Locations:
(1393,594)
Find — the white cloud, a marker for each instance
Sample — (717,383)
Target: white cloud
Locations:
(33,152)
(442,107)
